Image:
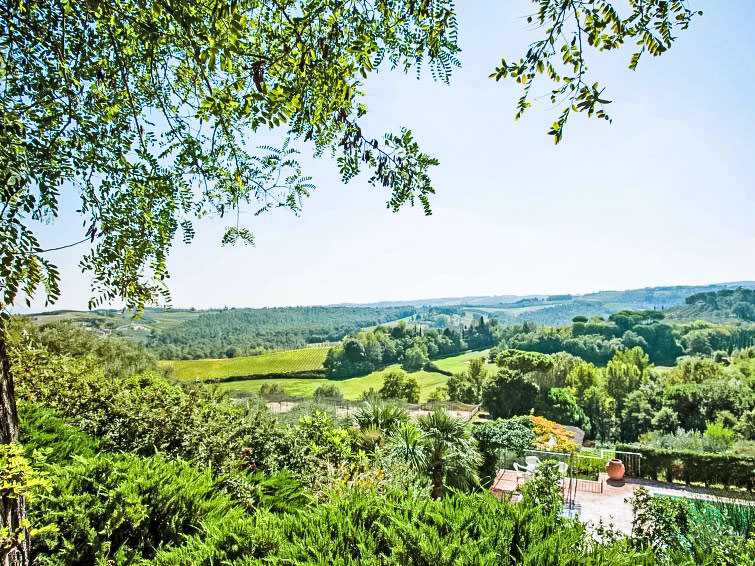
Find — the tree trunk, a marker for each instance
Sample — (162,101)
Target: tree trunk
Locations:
(437,491)
(8,413)
(12,509)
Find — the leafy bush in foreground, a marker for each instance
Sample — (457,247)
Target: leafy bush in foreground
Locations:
(45,430)
(696,530)
(146,413)
(117,357)
(122,508)
(125,508)
(459,530)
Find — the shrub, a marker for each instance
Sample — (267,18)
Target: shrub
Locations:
(272,389)
(459,530)
(692,441)
(397,384)
(696,531)
(439,394)
(44,429)
(146,413)
(323,439)
(544,489)
(726,419)
(720,436)
(746,425)
(118,357)
(738,517)
(18,480)
(694,467)
(512,436)
(659,522)
(666,420)
(328,391)
(381,415)
(125,508)
(370,440)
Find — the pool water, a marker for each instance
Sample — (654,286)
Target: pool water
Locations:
(740,517)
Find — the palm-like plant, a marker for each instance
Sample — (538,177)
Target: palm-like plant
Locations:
(408,445)
(452,455)
(380,415)
(440,445)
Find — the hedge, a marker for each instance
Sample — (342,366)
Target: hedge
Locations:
(694,467)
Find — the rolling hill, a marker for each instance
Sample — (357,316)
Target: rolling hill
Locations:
(216,333)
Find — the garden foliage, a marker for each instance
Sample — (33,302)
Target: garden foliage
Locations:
(694,467)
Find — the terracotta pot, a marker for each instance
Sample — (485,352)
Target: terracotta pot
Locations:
(615,469)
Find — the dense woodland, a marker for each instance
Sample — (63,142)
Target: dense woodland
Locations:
(619,379)
(697,400)
(597,340)
(243,332)
(412,346)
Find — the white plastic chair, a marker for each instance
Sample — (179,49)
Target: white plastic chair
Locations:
(533,462)
(523,474)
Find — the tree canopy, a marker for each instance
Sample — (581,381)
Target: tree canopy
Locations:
(151,111)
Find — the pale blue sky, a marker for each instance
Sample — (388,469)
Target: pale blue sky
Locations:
(662,196)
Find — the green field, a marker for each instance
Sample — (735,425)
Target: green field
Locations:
(303,359)
(514,311)
(353,387)
(456,364)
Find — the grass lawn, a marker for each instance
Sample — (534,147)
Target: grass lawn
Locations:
(352,387)
(275,362)
(308,359)
(457,364)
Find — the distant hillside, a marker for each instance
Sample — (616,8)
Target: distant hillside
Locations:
(194,334)
(662,297)
(645,298)
(107,321)
(190,333)
(727,305)
(559,310)
(239,332)
(605,303)
(446,301)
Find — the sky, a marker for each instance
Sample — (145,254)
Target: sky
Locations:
(662,196)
